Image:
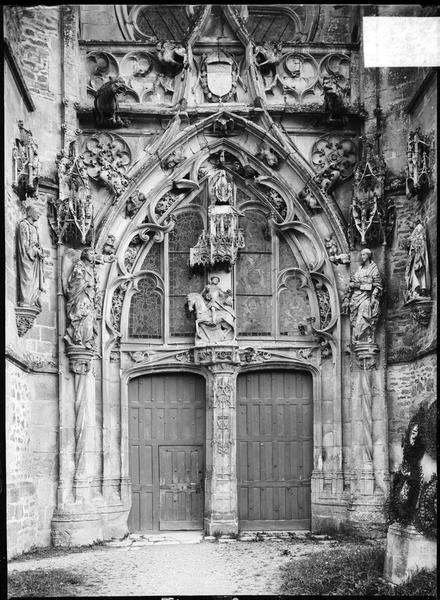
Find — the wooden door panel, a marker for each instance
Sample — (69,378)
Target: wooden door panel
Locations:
(274,449)
(166,411)
(181,487)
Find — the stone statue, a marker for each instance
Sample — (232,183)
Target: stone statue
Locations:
(362,300)
(81,302)
(215,317)
(417,276)
(30,261)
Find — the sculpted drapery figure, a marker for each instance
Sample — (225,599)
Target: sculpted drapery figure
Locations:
(81,300)
(30,259)
(217,299)
(362,301)
(417,276)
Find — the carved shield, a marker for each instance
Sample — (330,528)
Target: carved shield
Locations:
(219,76)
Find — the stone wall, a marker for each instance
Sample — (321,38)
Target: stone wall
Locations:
(409,385)
(31,371)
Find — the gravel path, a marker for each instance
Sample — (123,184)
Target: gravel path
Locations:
(206,568)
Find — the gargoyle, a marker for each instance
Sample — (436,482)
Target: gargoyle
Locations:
(267,57)
(172,58)
(106,104)
(334,94)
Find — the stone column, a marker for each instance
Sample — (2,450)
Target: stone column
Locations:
(221,450)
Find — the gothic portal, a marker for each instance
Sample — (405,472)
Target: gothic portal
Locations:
(219,263)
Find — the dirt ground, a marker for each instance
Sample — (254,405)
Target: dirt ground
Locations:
(142,567)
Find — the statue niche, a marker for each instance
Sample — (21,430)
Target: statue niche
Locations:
(215,317)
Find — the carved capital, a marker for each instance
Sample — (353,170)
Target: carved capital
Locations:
(25,317)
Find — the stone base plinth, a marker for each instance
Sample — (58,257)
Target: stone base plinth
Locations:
(408,551)
(78,528)
(224,527)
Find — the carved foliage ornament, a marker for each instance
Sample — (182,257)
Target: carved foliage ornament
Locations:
(107,158)
(26,164)
(419,163)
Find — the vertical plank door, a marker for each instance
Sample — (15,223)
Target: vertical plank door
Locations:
(166,437)
(274,449)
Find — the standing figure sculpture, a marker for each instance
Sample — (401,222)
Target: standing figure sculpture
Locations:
(30,261)
(417,276)
(81,300)
(362,300)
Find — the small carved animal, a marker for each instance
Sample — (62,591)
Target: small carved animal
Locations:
(106,104)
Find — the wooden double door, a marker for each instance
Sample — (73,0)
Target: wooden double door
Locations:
(167,441)
(274,449)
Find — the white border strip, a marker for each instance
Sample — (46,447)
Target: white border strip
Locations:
(401,41)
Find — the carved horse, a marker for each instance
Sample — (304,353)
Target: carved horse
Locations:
(222,330)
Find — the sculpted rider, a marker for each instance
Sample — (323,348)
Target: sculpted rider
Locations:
(30,259)
(217,299)
(362,299)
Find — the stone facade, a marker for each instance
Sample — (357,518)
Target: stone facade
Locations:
(150,150)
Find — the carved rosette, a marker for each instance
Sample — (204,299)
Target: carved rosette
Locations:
(334,157)
(107,158)
(25,317)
